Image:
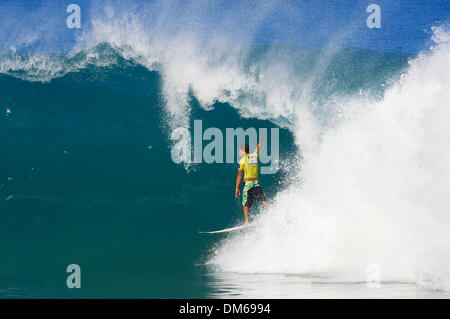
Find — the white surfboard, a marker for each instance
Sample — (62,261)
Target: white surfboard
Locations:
(226,230)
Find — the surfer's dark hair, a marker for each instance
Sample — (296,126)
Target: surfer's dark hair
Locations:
(245,148)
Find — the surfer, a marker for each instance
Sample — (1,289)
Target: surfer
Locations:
(252,190)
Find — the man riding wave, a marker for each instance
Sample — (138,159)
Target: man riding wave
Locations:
(249,165)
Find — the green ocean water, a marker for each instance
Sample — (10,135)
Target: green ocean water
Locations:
(87,178)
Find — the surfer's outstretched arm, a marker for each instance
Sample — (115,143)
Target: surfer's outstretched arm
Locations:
(238,181)
(260,143)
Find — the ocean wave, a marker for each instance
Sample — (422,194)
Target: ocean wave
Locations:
(372,130)
(373,191)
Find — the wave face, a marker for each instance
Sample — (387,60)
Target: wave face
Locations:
(85,153)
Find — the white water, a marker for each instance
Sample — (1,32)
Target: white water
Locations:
(374,191)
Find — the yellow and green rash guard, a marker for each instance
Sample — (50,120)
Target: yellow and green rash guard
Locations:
(249,163)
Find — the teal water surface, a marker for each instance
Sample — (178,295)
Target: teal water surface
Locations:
(87,178)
